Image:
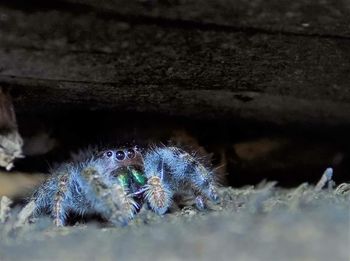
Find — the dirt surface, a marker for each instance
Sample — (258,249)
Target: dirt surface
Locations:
(262,223)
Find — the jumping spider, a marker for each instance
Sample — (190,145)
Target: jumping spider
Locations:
(115,183)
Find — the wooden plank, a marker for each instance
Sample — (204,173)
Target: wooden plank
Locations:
(205,104)
(55,58)
(315,18)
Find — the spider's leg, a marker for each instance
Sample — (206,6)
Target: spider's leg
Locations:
(200,202)
(187,172)
(158,191)
(25,214)
(50,198)
(58,208)
(201,180)
(108,198)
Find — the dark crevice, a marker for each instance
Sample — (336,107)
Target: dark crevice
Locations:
(5,79)
(244,152)
(243,98)
(43,5)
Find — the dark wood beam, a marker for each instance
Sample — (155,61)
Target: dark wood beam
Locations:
(86,60)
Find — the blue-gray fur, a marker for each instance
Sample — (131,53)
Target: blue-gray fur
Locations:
(88,189)
(179,172)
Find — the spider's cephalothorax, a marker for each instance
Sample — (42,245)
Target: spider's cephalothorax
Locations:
(114,183)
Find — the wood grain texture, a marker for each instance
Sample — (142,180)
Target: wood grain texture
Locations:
(109,58)
(327,18)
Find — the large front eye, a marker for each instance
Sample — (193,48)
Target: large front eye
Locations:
(130,153)
(109,153)
(120,155)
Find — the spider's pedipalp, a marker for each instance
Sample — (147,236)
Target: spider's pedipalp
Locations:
(124,201)
(158,195)
(158,190)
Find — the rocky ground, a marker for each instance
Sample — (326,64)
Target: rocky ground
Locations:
(251,223)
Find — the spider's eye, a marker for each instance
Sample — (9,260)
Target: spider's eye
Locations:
(137,148)
(131,153)
(109,154)
(120,155)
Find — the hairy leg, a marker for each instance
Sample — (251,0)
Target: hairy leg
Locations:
(158,195)
(158,192)
(50,198)
(181,171)
(58,209)
(108,198)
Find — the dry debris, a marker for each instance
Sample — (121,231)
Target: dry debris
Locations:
(10,141)
(5,209)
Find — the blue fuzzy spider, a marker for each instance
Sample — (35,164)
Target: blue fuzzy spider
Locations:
(114,183)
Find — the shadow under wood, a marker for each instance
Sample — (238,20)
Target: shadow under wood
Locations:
(240,152)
